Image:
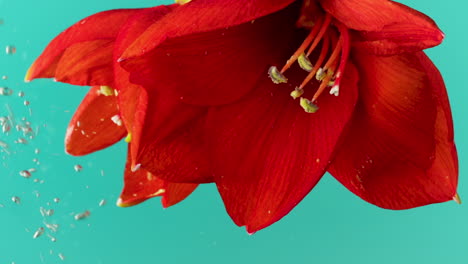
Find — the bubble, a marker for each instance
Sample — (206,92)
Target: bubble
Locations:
(10,49)
(3,144)
(16,199)
(6,91)
(52,238)
(6,128)
(52,227)
(82,215)
(25,174)
(102,202)
(46,212)
(117,120)
(78,168)
(21,141)
(38,232)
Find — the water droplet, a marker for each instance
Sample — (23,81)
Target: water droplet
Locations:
(21,94)
(25,174)
(78,168)
(38,232)
(46,212)
(52,227)
(10,49)
(6,91)
(117,120)
(16,199)
(136,167)
(61,256)
(21,141)
(53,239)
(102,202)
(3,144)
(26,103)
(82,215)
(56,200)
(6,128)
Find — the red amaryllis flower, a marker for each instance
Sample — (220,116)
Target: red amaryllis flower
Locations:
(210,91)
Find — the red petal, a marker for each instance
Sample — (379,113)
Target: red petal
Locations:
(91,127)
(165,132)
(176,192)
(142,185)
(399,152)
(268,153)
(86,63)
(129,93)
(203,16)
(101,26)
(387,27)
(211,67)
(169,140)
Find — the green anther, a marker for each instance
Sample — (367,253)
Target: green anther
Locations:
(298,92)
(308,106)
(320,75)
(276,76)
(106,90)
(305,63)
(128,138)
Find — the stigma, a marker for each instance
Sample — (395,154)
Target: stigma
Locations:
(330,40)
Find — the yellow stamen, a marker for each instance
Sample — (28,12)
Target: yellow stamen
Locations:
(298,92)
(106,90)
(276,76)
(308,106)
(320,60)
(304,62)
(310,38)
(328,72)
(323,85)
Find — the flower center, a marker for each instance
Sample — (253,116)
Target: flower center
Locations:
(330,64)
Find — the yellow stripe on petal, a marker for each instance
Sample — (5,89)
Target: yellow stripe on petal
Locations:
(182,2)
(128,138)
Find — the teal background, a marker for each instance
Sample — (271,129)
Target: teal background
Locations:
(331,225)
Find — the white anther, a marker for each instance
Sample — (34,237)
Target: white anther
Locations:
(335,90)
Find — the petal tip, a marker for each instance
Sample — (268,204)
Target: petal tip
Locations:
(122,203)
(28,76)
(457,198)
